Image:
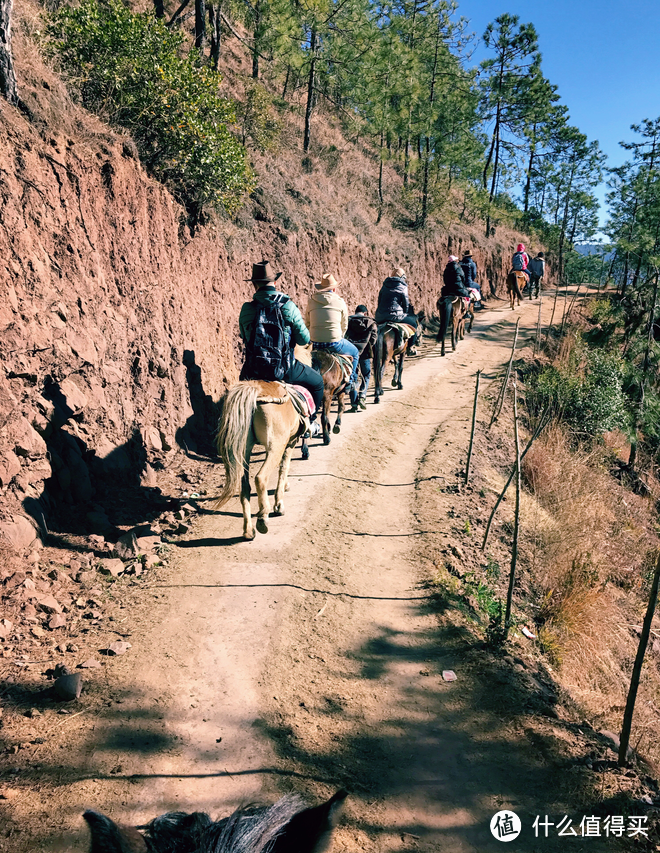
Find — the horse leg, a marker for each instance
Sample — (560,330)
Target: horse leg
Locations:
(248,528)
(340,408)
(325,416)
(274,452)
(471,312)
(378,371)
(282,481)
(395,378)
(304,449)
(400,370)
(454,309)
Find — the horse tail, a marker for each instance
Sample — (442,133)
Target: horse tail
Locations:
(517,287)
(379,359)
(235,425)
(445,306)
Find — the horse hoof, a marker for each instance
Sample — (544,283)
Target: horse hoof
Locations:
(278,510)
(336,429)
(305,453)
(249,535)
(394,383)
(326,440)
(262,526)
(376,399)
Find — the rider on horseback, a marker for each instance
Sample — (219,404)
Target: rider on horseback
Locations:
(327,318)
(394,302)
(295,372)
(520,261)
(454,280)
(470,272)
(363,332)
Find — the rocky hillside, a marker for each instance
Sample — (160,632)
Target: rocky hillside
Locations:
(118,327)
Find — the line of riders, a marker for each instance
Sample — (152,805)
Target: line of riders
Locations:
(271,325)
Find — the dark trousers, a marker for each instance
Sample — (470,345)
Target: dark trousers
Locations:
(362,385)
(302,374)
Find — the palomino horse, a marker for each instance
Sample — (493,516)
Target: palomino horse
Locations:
(257,412)
(334,387)
(515,281)
(453,308)
(286,827)
(390,346)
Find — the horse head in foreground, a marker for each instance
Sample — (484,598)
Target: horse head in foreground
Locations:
(286,827)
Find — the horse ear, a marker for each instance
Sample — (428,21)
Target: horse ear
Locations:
(309,831)
(108,837)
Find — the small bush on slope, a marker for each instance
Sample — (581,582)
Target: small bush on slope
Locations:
(129,68)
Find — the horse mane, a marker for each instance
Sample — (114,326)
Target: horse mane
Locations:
(303,354)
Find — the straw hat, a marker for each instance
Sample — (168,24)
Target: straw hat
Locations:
(262,273)
(328,282)
(399,273)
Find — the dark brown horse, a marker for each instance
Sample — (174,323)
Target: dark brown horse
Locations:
(391,346)
(285,827)
(453,308)
(334,388)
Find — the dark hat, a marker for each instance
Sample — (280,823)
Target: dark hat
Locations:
(540,255)
(361,309)
(263,273)
(467,254)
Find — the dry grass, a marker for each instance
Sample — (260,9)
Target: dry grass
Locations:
(589,578)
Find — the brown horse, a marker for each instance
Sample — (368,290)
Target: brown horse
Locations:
(390,346)
(334,388)
(453,308)
(257,412)
(515,281)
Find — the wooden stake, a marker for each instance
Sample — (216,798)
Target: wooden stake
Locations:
(537,339)
(554,305)
(637,667)
(537,432)
(516,527)
(474,420)
(502,394)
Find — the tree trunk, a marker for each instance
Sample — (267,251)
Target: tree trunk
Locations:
(215,21)
(8,85)
(310,91)
(200,24)
(159,8)
(256,41)
(380,181)
(286,81)
(528,182)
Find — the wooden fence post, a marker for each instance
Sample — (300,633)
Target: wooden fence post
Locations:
(474,420)
(516,526)
(502,394)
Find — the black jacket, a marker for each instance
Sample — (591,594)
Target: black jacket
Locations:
(393,302)
(362,331)
(454,281)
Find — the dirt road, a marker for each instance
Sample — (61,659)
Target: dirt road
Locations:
(309,659)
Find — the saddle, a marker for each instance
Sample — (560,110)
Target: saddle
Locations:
(404,329)
(300,398)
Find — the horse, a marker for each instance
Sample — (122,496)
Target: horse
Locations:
(258,412)
(334,388)
(285,827)
(515,281)
(390,345)
(452,308)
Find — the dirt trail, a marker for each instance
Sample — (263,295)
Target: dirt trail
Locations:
(309,659)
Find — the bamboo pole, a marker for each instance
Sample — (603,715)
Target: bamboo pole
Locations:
(502,394)
(516,526)
(637,667)
(554,305)
(537,432)
(537,339)
(474,421)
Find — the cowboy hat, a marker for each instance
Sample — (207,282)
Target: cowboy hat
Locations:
(328,282)
(399,273)
(262,273)
(467,253)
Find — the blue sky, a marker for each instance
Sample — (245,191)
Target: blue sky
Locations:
(602,55)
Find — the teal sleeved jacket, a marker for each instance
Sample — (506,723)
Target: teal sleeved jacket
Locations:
(290,313)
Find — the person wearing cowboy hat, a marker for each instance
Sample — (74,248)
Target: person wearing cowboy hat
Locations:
(265,293)
(327,318)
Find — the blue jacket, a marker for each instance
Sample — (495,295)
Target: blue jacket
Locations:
(469,270)
(393,301)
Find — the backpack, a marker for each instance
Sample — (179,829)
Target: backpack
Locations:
(518,263)
(358,329)
(267,352)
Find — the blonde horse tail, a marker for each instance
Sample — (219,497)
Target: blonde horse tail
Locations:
(235,425)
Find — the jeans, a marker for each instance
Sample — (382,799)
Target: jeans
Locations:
(346,348)
(362,386)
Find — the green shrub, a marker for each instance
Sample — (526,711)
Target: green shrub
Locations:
(129,68)
(590,399)
(258,118)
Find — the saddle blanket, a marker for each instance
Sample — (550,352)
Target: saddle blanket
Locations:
(300,395)
(405,329)
(475,296)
